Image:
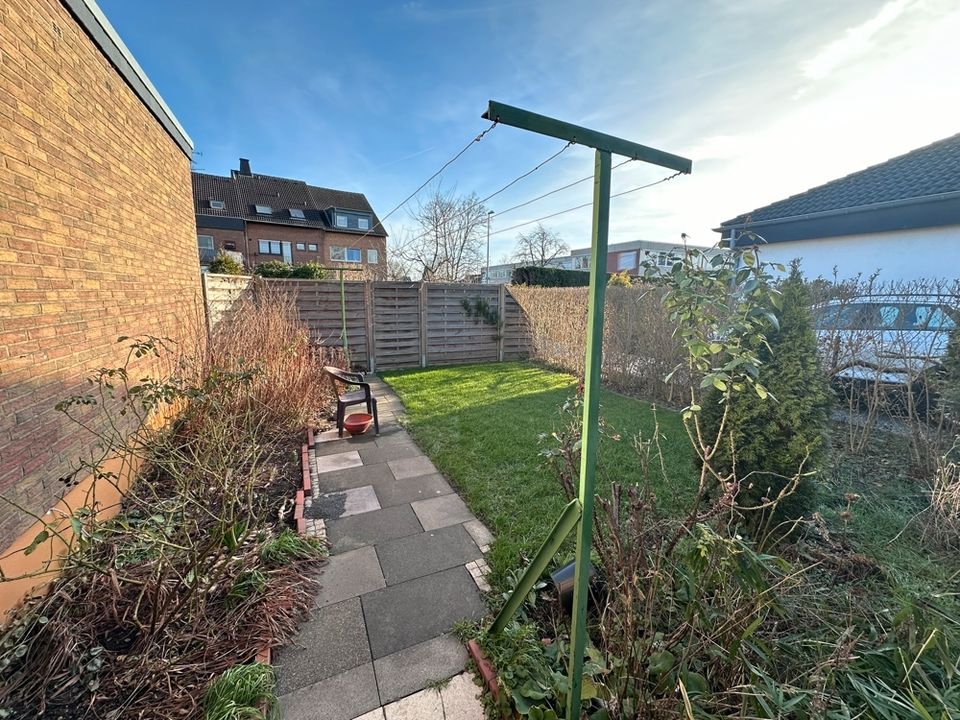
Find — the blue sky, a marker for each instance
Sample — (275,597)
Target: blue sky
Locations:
(768,97)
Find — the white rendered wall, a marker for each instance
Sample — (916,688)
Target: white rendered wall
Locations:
(928,253)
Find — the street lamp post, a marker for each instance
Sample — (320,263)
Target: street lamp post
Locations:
(489,215)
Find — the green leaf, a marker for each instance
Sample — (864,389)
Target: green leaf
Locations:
(719,384)
(41,538)
(761,391)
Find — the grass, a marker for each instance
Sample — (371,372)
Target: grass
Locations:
(480,424)
(244,692)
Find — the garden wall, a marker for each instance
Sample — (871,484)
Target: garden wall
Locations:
(392,325)
(97,240)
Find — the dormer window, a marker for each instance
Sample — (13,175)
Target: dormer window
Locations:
(263,209)
(351,219)
(297,214)
(217,205)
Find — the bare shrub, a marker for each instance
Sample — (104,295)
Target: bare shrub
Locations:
(883,345)
(943,528)
(264,331)
(639,349)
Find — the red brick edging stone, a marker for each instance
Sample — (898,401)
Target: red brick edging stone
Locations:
(486,669)
(265,655)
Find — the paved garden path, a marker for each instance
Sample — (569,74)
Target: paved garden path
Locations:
(406,562)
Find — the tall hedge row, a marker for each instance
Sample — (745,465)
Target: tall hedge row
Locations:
(549,277)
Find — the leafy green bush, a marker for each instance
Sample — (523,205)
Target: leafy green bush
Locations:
(769,442)
(273,269)
(308,271)
(949,385)
(549,277)
(224,264)
(240,692)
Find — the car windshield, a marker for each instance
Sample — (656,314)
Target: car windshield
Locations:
(886,316)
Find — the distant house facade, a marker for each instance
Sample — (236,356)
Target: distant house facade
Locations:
(263,218)
(900,218)
(621,257)
(629,257)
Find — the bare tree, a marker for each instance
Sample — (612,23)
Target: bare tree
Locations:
(446,244)
(539,246)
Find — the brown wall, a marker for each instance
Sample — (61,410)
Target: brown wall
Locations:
(323,239)
(222,237)
(97,240)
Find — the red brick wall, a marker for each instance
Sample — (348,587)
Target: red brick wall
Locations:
(222,237)
(97,240)
(322,239)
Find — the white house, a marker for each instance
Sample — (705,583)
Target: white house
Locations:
(900,218)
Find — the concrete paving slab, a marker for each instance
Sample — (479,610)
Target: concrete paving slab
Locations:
(341,697)
(373,454)
(372,715)
(417,610)
(350,533)
(392,434)
(462,699)
(334,641)
(343,503)
(416,667)
(354,477)
(344,444)
(338,461)
(348,575)
(478,531)
(425,704)
(426,553)
(424,487)
(411,467)
(442,511)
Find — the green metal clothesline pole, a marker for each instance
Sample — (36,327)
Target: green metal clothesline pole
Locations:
(579,513)
(591,425)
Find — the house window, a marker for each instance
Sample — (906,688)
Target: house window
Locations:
(297,213)
(342,221)
(263,209)
(626,261)
(205,246)
(301,246)
(312,247)
(581,262)
(373,256)
(345,254)
(363,223)
(270,247)
(217,205)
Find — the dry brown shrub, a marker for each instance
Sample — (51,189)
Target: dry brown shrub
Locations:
(263,330)
(943,529)
(639,350)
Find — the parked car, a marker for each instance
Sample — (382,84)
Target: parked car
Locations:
(894,340)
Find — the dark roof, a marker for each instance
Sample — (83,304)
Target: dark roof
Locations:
(242,193)
(919,174)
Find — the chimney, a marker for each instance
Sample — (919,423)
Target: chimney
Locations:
(245,167)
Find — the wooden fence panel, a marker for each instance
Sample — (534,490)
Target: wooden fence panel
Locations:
(396,325)
(454,334)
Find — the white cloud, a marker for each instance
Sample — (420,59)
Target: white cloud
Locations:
(855,42)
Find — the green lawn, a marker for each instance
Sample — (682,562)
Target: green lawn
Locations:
(480,425)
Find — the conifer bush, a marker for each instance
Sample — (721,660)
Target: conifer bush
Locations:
(224,264)
(769,442)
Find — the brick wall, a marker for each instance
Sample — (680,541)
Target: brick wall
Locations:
(97,240)
(322,239)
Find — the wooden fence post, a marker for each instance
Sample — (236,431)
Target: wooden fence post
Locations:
(502,325)
(368,310)
(423,324)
